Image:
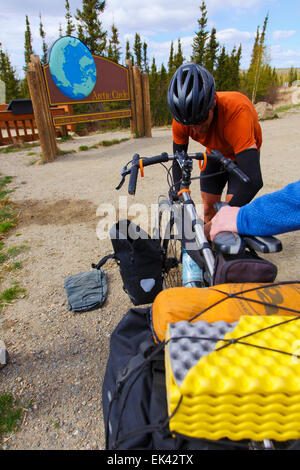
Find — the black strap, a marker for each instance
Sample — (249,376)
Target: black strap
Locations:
(103,261)
(135,362)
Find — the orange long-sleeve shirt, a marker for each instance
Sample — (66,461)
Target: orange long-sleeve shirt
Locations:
(234,128)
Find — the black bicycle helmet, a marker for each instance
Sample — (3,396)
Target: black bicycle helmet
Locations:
(191,94)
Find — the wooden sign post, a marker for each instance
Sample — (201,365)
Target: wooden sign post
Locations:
(140,101)
(42,114)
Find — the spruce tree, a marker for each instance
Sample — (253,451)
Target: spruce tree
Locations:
(137,48)
(90,28)
(235,59)
(128,53)
(163,110)
(8,76)
(171,68)
(154,92)
(259,79)
(211,51)
(292,76)
(199,41)
(145,58)
(221,71)
(113,50)
(28,50)
(70,25)
(178,57)
(259,60)
(44,45)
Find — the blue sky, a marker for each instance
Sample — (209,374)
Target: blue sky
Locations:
(161,21)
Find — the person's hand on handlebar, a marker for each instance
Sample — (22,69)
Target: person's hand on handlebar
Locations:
(224,221)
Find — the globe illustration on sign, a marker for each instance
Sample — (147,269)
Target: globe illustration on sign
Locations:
(72,68)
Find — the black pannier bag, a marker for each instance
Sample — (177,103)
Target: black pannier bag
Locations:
(139,258)
(244,267)
(134,398)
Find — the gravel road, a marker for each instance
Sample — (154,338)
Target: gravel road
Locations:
(58,358)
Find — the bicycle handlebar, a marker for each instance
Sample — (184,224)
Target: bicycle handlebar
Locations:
(228,164)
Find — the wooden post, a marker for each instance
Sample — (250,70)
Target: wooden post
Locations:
(138,91)
(42,114)
(133,124)
(146,100)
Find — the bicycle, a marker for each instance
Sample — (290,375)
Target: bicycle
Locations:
(178,225)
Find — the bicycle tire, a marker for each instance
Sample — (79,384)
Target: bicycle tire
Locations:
(170,243)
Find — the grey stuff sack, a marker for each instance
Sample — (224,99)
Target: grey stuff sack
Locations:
(86,290)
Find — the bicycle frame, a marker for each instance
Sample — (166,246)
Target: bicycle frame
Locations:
(194,222)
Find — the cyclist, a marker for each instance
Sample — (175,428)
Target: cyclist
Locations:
(225,121)
(270,214)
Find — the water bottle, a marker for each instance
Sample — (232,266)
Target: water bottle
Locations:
(191,272)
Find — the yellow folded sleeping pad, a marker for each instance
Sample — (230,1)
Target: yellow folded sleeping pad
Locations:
(237,380)
(232,356)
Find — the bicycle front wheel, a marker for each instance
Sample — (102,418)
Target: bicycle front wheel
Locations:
(170,241)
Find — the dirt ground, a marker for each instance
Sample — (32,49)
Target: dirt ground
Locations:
(58,358)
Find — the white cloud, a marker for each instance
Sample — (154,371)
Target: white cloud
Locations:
(234,36)
(281,34)
(285,57)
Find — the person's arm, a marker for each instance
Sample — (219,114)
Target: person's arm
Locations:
(270,214)
(248,162)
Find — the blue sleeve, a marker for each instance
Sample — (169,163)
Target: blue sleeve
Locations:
(272,213)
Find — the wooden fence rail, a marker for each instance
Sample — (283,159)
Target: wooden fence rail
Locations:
(16,128)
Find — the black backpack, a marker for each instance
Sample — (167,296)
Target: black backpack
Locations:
(140,261)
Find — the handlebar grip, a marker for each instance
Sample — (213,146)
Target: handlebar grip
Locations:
(164,157)
(133,174)
(229,242)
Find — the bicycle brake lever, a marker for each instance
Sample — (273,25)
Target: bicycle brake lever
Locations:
(121,183)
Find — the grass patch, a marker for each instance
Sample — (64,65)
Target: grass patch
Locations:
(287,107)
(16,266)
(7,256)
(11,294)
(108,143)
(270,118)
(10,414)
(19,148)
(65,152)
(65,138)
(83,148)
(33,162)
(7,212)
(6,226)
(10,410)
(14,251)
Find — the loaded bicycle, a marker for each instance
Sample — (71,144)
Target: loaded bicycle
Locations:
(236,402)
